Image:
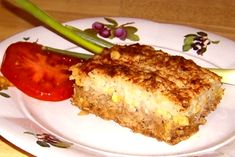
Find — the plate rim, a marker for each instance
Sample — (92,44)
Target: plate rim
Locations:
(40,27)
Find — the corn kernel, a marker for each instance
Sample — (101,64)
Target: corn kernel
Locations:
(181,120)
(115,55)
(116,98)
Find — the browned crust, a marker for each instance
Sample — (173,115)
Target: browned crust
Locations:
(177,78)
(137,120)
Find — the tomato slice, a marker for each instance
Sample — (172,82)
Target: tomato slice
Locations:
(38,73)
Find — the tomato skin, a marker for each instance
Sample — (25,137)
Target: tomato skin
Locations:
(38,73)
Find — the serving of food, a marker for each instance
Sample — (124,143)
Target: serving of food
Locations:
(140,85)
(149,91)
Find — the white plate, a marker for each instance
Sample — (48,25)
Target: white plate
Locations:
(91,135)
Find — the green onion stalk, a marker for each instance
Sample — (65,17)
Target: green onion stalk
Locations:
(68,53)
(228,75)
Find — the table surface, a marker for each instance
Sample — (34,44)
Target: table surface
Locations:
(217,16)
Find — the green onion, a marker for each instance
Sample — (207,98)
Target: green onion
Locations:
(66,32)
(228,75)
(68,53)
(89,37)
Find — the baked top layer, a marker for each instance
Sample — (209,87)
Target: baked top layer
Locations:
(175,77)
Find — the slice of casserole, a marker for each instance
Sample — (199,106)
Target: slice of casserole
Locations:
(147,90)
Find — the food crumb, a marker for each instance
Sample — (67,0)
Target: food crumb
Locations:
(82,113)
(4,83)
